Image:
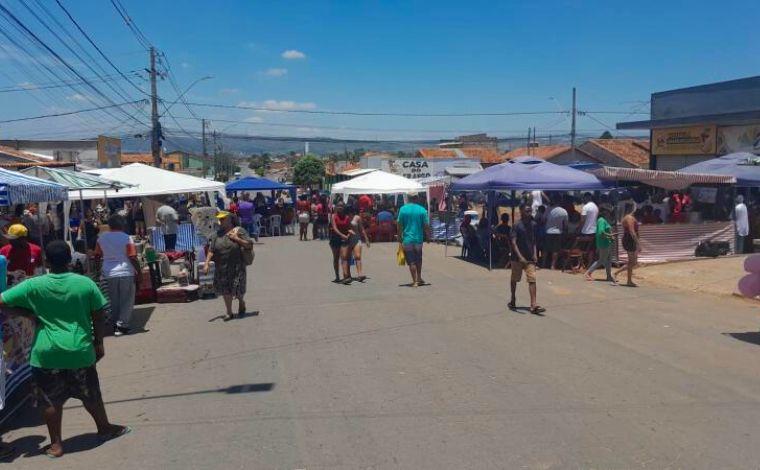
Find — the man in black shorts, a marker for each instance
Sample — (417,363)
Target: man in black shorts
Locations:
(68,309)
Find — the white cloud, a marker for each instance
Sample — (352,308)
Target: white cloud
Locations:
(254,119)
(292,54)
(275,72)
(185,65)
(77,97)
(279,105)
(27,85)
(229,91)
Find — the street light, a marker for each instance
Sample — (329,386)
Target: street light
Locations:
(207,77)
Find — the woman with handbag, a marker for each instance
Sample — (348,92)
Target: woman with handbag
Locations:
(232,251)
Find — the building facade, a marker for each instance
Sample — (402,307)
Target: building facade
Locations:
(690,125)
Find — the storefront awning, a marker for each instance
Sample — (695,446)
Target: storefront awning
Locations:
(670,180)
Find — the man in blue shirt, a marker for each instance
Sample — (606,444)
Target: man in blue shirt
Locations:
(413,229)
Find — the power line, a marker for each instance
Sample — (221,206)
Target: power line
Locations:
(89,39)
(79,111)
(357,113)
(46,47)
(51,85)
(131,24)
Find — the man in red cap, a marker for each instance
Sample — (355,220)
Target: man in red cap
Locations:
(22,255)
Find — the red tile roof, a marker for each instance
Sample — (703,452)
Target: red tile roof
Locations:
(484,154)
(543,152)
(145,158)
(21,155)
(635,152)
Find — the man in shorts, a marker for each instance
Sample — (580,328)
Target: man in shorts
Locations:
(413,229)
(556,227)
(524,258)
(68,309)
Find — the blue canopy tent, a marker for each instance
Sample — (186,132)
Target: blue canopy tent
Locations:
(526,174)
(252,183)
(17,188)
(744,166)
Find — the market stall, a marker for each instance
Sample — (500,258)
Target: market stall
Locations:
(669,240)
(17,332)
(525,174)
(378,182)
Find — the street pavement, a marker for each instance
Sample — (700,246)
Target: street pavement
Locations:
(382,375)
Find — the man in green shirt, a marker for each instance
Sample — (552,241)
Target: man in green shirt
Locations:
(413,229)
(68,309)
(604,238)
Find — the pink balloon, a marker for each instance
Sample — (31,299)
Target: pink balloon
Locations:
(749,285)
(752,264)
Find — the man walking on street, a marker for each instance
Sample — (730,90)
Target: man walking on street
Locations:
(741,219)
(413,229)
(524,258)
(68,309)
(604,239)
(589,214)
(168,219)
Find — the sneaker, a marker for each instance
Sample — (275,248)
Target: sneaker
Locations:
(121,331)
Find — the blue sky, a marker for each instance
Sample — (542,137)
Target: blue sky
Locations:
(393,56)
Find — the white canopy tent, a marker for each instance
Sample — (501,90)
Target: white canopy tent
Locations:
(149,181)
(378,182)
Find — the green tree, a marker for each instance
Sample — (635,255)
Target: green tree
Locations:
(606,135)
(308,171)
(260,171)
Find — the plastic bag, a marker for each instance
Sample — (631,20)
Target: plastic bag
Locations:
(400,258)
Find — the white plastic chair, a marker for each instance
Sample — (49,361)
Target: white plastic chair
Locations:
(275,223)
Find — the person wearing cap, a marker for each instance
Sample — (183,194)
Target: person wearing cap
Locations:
(22,255)
(168,219)
(413,228)
(68,312)
(226,250)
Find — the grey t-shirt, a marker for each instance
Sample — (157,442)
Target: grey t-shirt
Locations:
(169,219)
(555,220)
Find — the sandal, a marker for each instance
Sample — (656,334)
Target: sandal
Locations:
(361,278)
(537,310)
(228,317)
(123,431)
(241,309)
(347,281)
(512,305)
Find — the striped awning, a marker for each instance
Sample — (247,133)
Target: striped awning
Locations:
(74,179)
(670,180)
(18,188)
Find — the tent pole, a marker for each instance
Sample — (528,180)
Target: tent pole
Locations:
(81,218)
(490,203)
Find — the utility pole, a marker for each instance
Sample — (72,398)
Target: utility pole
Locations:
(216,154)
(572,125)
(155,141)
(205,149)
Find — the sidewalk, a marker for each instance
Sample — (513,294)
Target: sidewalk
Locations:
(715,276)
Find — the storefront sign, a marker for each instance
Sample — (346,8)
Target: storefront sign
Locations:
(738,139)
(109,152)
(697,140)
(412,168)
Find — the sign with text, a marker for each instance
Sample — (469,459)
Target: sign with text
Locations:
(738,139)
(696,140)
(109,152)
(412,168)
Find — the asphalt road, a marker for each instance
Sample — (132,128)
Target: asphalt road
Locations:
(380,375)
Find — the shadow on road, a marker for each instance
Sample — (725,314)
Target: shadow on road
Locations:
(140,318)
(752,337)
(231,390)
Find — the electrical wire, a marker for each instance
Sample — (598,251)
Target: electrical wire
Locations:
(50,85)
(100,51)
(131,24)
(69,113)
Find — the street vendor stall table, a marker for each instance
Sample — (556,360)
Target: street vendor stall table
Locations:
(526,174)
(672,241)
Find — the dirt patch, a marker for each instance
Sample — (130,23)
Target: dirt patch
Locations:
(718,276)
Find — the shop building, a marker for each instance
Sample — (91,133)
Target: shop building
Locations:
(690,125)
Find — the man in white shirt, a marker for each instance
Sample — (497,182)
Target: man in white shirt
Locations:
(589,214)
(741,219)
(556,227)
(168,219)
